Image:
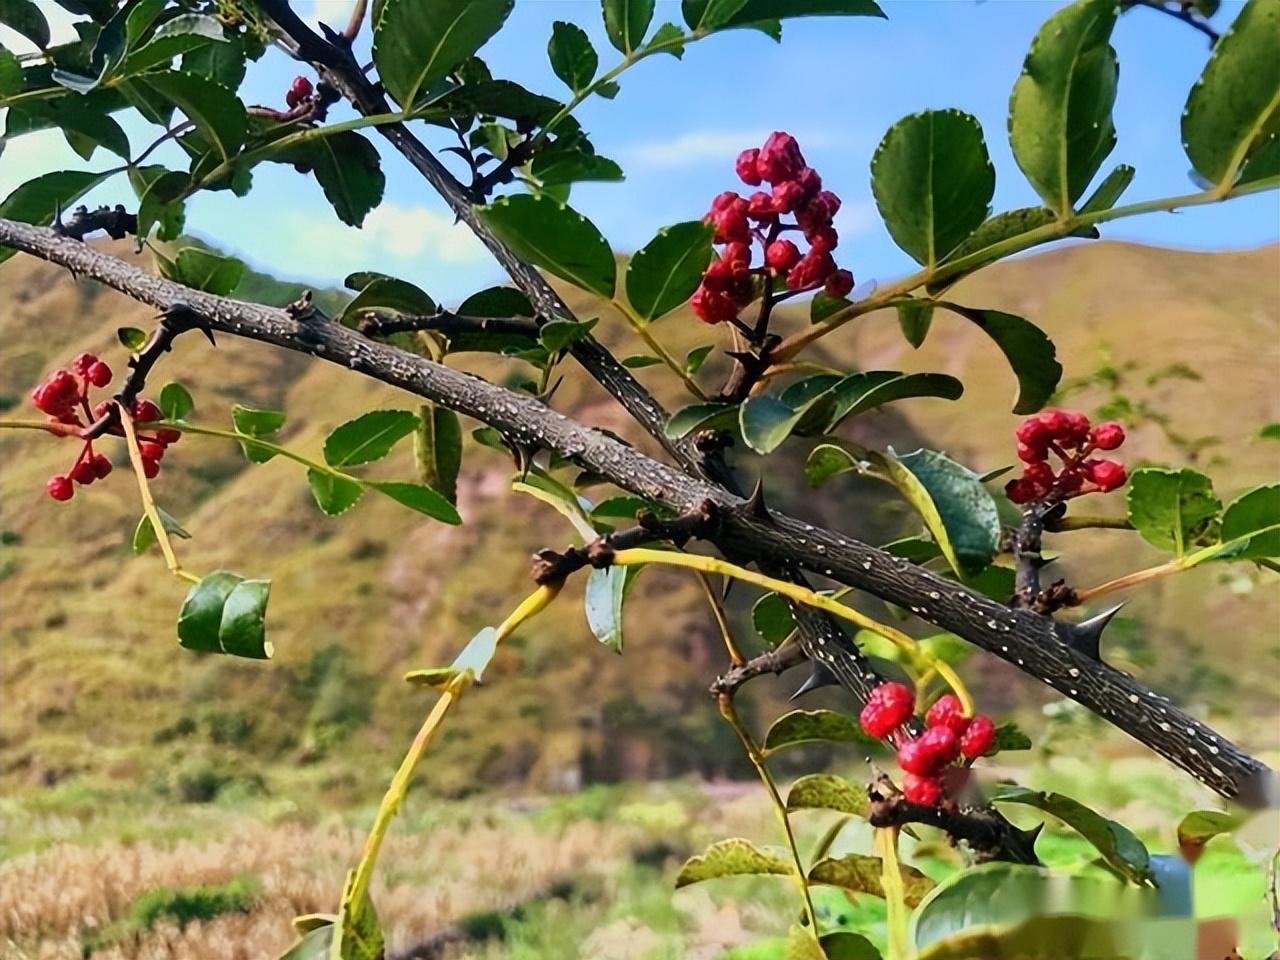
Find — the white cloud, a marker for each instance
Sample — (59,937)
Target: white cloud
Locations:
(393,237)
(690,149)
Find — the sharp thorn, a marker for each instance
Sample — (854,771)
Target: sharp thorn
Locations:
(1040,562)
(821,677)
(755,503)
(1086,636)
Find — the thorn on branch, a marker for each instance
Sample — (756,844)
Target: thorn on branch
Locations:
(771,661)
(1086,636)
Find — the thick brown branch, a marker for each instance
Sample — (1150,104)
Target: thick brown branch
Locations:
(449,324)
(771,661)
(1021,637)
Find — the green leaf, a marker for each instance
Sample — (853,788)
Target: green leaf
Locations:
(416,44)
(215,110)
(11,79)
(357,934)
(26,18)
(559,167)
(386,295)
(160,192)
(821,306)
(1110,189)
(199,269)
(182,34)
(822,791)
(554,237)
(915,318)
(1233,112)
(626,22)
(696,357)
(666,271)
(367,438)
(1009,737)
(131,338)
(669,38)
(562,334)
(1200,826)
(701,416)
(221,62)
(438,449)
(334,495)
(497,302)
(1122,851)
(421,498)
(1030,353)
(605,592)
(847,946)
(709,15)
(861,874)
(957,508)
(1251,524)
(346,166)
(766,421)
(144,535)
(757,11)
(83,122)
(805,726)
(573,59)
(640,361)
(313,943)
(1060,124)
(38,200)
(256,423)
(1172,509)
(1056,938)
(477,654)
(867,390)
(175,401)
(731,858)
(1270,431)
(224,613)
(772,618)
(803,945)
(933,182)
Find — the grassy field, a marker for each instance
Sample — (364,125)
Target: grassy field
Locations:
(114,872)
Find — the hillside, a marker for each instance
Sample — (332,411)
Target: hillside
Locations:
(95,686)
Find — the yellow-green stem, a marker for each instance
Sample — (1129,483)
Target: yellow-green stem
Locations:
(148,502)
(717,610)
(1134,579)
(793,591)
(392,800)
(641,327)
(725,701)
(894,895)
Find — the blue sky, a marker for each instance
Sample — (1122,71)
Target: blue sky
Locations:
(836,83)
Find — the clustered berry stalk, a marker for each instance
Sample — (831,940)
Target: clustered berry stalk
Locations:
(64,397)
(928,761)
(1071,438)
(733,281)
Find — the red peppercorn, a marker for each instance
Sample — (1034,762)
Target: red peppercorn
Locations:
(168,436)
(150,468)
(1077,428)
(738,253)
(151,450)
(1107,474)
(782,255)
(889,707)
(947,712)
(1019,491)
(823,239)
(83,472)
(101,465)
(926,791)
(58,394)
(812,270)
(746,167)
(942,743)
(839,284)
(980,738)
(1040,474)
(1108,436)
(723,201)
(810,183)
(787,195)
(1029,454)
(82,363)
(1034,432)
(99,374)
(713,306)
(60,487)
(299,91)
(760,207)
(145,411)
(731,226)
(780,158)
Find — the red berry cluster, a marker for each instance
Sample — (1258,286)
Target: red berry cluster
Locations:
(1072,439)
(727,284)
(299,92)
(949,736)
(64,396)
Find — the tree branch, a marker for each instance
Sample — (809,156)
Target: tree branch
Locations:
(1029,640)
(443,321)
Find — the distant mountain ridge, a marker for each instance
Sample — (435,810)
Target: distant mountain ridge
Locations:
(96,685)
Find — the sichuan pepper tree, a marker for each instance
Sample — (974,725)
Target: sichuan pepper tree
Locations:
(505,158)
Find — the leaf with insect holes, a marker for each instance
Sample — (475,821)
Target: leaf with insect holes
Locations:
(1231,124)
(556,238)
(144,535)
(807,726)
(224,613)
(175,401)
(1060,123)
(861,874)
(822,791)
(666,271)
(368,438)
(731,858)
